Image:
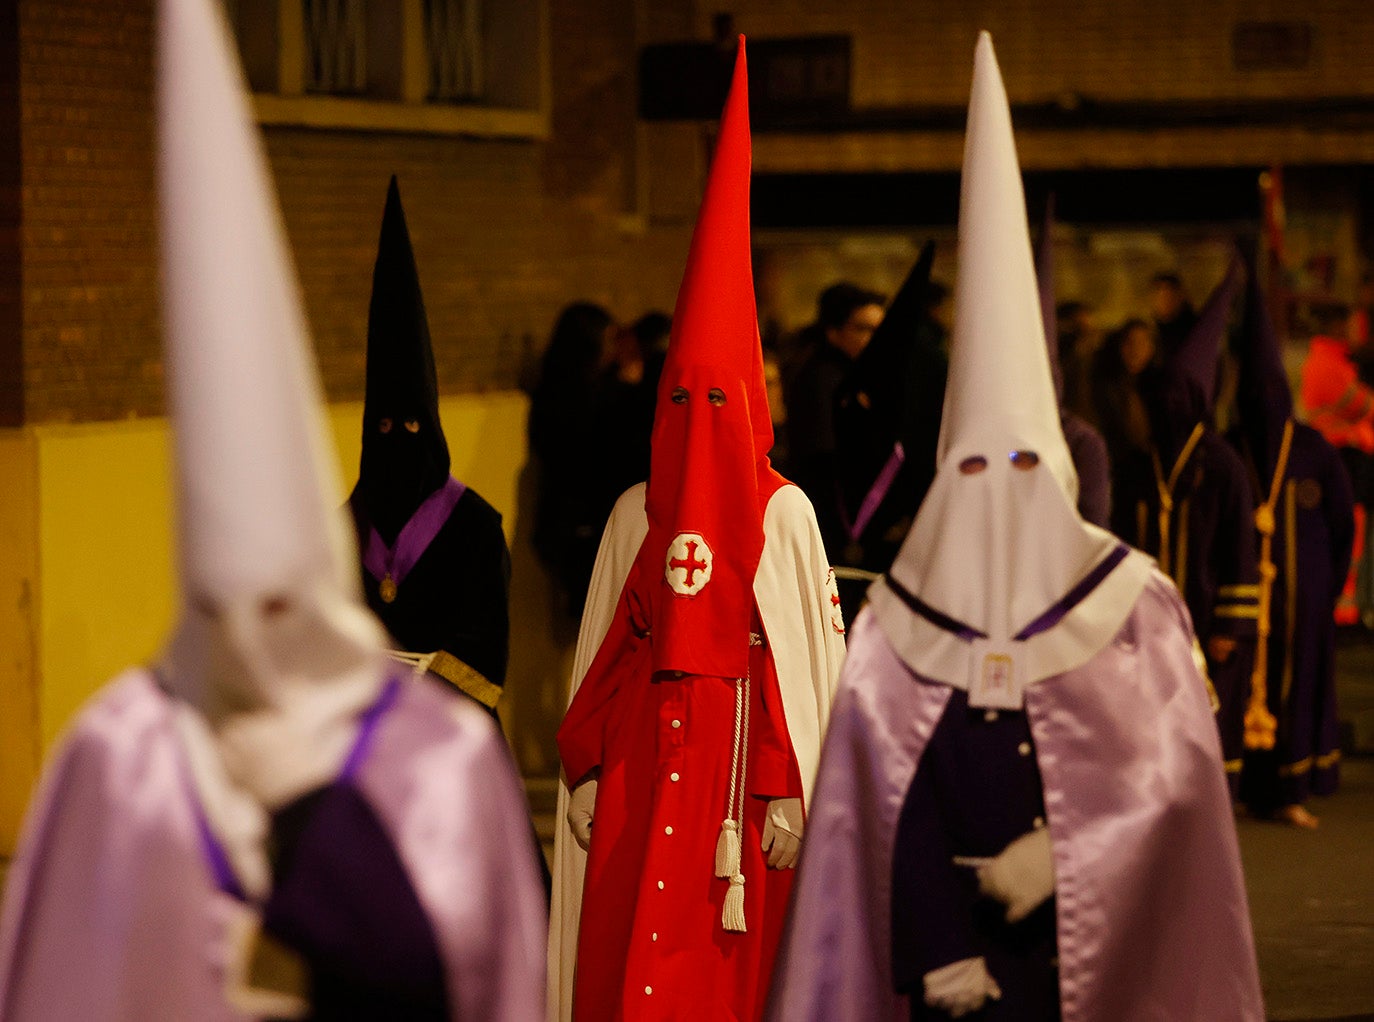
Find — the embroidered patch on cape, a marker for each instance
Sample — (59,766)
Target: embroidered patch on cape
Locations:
(687,568)
(999,676)
(832,592)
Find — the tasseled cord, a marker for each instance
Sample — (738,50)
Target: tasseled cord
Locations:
(731,828)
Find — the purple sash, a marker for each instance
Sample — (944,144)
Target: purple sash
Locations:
(395,562)
(1043,623)
(215,855)
(874,497)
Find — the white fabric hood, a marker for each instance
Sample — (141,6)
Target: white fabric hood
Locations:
(997,548)
(274,649)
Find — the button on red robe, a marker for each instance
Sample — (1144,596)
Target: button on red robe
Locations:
(651,943)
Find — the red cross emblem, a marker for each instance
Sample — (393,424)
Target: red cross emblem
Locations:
(687,568)
(836,611)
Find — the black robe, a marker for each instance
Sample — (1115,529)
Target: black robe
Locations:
(1211,531)
(456,597)
(938,915)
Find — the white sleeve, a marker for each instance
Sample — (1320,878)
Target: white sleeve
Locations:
(799,605)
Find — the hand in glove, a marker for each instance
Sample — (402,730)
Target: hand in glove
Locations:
(782,832)
(961,987)
(581,806)
(1022,876)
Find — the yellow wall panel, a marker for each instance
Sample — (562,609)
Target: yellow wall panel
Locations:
(107,547)
(20,730)
(108,588)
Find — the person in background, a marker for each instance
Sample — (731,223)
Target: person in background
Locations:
(1360,329)
(846,317)
(1091,463)
(1173,314)
(1118,410)
(1079,341)
(1340,406)
(1305,524)
(887,427)
(565,439)
(625,409)
(1189,503)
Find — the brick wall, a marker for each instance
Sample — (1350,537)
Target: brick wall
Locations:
(920,51)
(505,232)
(508,231)
(90,324)
(11,264)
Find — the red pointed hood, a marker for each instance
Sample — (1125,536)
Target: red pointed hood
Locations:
(709,478)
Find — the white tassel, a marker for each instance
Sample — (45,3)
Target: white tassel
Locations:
(727,849)
(732,917)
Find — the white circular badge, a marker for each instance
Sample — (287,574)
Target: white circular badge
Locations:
(687,568)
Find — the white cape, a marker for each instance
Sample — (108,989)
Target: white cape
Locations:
(795,592)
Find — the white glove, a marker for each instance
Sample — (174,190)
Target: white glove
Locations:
(581,806)
(782,832)
(1022,876)
(961,987)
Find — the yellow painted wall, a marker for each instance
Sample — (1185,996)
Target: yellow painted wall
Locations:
(19,720)
(105,547)
(85,523)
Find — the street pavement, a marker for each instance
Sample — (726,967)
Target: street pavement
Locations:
(1312,892)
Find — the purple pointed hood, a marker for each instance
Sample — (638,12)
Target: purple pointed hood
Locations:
(1264,397)
(1180,393)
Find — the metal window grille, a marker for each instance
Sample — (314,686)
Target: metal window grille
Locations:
(336,51)
(453,35)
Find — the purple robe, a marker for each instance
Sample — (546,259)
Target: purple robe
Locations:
(1313,534)
(112,910)
(1151,914)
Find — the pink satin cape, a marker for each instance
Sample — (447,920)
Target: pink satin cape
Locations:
(111,912)
(1153,922)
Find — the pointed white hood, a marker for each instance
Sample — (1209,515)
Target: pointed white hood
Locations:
(274,651)
(996,549)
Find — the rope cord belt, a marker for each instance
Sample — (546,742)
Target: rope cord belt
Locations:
(728,859)
(1166,500)
(1261,728)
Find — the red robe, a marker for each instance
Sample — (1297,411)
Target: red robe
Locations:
(663,745)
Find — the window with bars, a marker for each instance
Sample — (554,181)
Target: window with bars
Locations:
(439,66)
(335,46)
(454,44)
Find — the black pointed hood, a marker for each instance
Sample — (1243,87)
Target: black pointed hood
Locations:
(874,387)
(405,457)
(894,391)
(1263,396)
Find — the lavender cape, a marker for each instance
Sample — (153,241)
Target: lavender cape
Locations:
(1152,921)
(111,911)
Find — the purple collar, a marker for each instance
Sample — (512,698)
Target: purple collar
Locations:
(1043,623)
(389,565)
(211,847)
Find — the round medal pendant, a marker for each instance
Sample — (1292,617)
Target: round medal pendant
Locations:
(387,589)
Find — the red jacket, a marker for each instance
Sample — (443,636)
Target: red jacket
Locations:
(1338,404)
